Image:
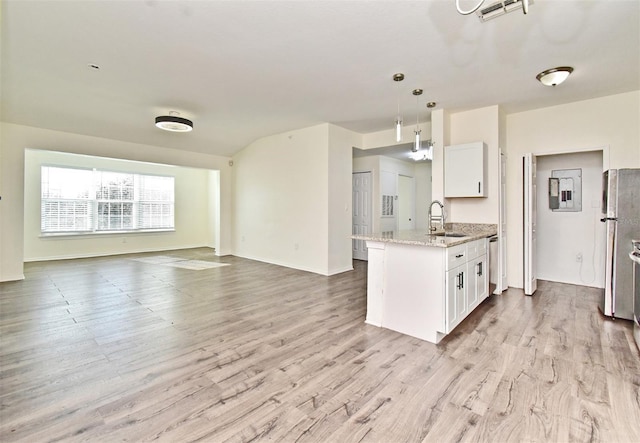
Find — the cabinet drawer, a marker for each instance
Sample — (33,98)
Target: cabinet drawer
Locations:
(476,248)
(473,249)
(456,255)
(482,246)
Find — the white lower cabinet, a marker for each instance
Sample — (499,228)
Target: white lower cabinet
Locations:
(424,291)
(466,283)
(456,303)
(478,283)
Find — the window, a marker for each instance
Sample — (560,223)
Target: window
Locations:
(90,200)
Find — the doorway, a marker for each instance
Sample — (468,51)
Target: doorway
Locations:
(560,245)
(571,237)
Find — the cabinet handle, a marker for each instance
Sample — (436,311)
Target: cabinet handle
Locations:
(478,187)
(459,255)
(480,269)
(460,284)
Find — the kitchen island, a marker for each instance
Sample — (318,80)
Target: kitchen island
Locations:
(424,284)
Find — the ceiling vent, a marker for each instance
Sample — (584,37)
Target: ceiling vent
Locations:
(502,7)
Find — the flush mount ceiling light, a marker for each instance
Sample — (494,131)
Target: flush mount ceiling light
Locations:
(398,123)
(174,123)
(554,76)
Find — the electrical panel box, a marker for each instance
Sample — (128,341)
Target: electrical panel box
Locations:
(565,190)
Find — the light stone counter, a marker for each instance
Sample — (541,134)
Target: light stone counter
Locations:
(423,237)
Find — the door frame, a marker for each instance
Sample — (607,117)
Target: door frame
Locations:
(529,196)
(501,281)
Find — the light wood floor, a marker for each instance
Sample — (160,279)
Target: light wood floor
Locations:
(112,349)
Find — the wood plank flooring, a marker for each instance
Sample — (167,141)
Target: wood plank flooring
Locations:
(113,349)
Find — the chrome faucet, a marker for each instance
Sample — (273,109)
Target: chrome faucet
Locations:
(436,218)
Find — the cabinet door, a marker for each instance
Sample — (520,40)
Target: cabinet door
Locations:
(481,270)
(465,170)
(456,297)
(475,270)
(479,284)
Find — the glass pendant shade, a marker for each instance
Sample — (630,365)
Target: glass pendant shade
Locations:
(416,143)
(398,123)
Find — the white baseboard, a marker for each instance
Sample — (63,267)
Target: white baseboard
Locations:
(112,253)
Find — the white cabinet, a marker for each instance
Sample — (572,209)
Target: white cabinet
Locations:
(465,170)
(478,284)
(456,297)
(466,281)
(424,291)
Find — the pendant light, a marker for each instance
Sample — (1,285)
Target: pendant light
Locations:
(418,154)
(429,151)
(416,142)
(398,123)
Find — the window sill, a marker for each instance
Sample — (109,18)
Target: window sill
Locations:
(103,233)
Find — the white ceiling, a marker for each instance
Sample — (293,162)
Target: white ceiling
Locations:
(242,70)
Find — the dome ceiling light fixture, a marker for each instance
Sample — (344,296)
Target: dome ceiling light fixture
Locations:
(554,76)
(174,123)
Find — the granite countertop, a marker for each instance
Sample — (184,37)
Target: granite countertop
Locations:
(423,237)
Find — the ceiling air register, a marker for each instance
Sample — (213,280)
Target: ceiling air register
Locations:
(495,9)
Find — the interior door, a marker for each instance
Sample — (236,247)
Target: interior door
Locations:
(406,202)
(529,215)
(361,204)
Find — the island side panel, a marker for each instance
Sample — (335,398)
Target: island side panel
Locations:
(413,297)
(375,282)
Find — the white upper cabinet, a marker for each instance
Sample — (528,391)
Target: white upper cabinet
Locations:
(465,170)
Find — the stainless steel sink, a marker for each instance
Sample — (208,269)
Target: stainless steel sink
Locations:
(450,234)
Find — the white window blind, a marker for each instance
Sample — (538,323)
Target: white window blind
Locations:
(66,203)
(90,200)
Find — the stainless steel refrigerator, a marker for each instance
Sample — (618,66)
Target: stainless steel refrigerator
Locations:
(621,215)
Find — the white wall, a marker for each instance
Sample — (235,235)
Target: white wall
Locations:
(422,173)
(563,235)
(193,225)
(612,122)
(341,143)
(472,126)
(14,139)
(378,165)
(387,137)
(290,195)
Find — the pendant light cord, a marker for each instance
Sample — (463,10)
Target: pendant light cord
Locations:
(470,11)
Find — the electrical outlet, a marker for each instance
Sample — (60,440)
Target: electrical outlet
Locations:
(579,257)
